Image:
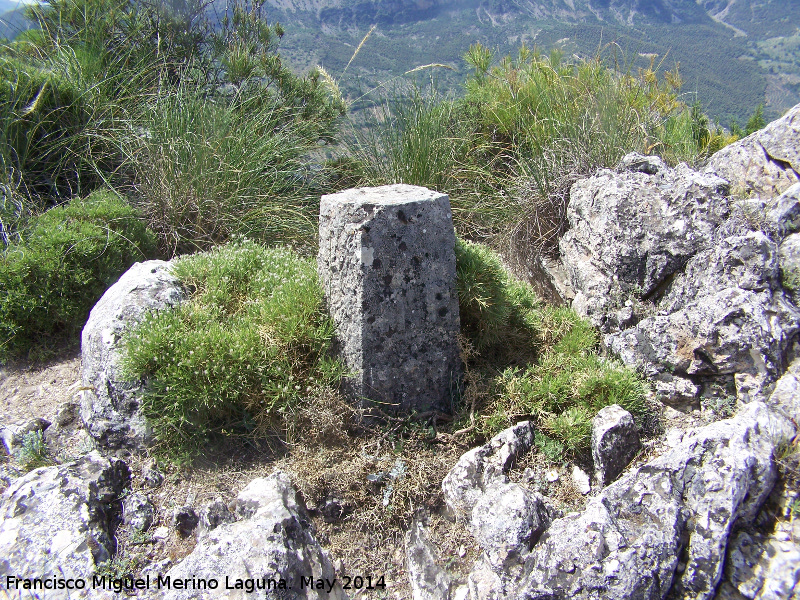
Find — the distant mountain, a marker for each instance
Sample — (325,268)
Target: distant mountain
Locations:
(12,21)
(734,54)
(7,5)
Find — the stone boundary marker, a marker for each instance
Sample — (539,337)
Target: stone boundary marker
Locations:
(387,264)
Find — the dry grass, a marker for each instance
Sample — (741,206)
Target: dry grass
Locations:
(329,457)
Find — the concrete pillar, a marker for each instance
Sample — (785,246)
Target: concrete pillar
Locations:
(387,263)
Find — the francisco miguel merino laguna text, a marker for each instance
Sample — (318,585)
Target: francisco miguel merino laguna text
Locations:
(249,585)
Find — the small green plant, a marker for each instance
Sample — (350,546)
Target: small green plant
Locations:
(241,355)
(60,265)
(33,453)
(119,567)
(554,376)
(552,449)
(496,310)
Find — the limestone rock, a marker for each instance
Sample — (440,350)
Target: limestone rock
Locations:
(109,407)
(765,163)
(184,520)
(482,467)
(214,514)
(152,476)
(631,230)
(138,511)
(761,570)
(272,540)
(790,265)
(387,263)
(725,315)
(13,436)
(67,413)
(428,580)
(639,163)
(783,212)
(785,398)
(581,480)
(681,506)
(507,521)
(59,521)
(615,441)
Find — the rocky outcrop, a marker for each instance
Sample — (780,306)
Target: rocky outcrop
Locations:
(269,550)
(785,398)
(109,401)
(766,162)
(726,317)
(387,263)
(505,518)
(689,286)
(428,580)
(13,436)
(630,231)
(664,526)
(485,467)
(58,522)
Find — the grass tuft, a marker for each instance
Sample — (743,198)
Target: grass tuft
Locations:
(242,355)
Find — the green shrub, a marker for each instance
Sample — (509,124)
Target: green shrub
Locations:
(33,453)
(496,310)
(66,259)
(564,391)
(241,354)
(538,361)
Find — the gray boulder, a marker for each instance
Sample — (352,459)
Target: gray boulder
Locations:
(765,163)
(59,521)
(272,542)
(615,441)
(185,520)
(506,522)
(725,317)
(631,230)
(665,526)
(109,402)
(484,467)
(785,398)
(214,514)
(13,436)
(783,212)
(763,569)
(789,254)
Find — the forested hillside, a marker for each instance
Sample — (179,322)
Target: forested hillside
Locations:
(733,55)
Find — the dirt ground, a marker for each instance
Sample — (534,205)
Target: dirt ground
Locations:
(28,391)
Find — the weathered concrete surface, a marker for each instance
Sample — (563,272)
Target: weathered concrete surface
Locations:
(387,263)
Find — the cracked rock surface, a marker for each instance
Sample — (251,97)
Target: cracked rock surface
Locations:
(765,163)
(59,521)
